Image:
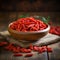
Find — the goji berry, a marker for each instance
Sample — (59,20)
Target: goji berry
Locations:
(44,48)
(28,50)
(49,49)
(9,47)
(3,43)
(31,46)
(28,24)
(24,50)
(29,55)
(40,50)
(35,48)
(55,30)
(16,49)
(18,54)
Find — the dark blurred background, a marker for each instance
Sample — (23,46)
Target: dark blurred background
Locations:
(10,10)
(30,5)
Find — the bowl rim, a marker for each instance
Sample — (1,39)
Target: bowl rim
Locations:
(32,32)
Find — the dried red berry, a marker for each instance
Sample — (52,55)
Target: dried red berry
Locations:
(55,30)
(3,43)
(16,49)
(49,49)
(9,47)
(29,55)
(18,54)
(28,50)
(40,50)
(28,24)
(24,50)
(31,46)
(35,48)
(44,48)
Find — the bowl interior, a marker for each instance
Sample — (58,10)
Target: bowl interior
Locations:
(32,32)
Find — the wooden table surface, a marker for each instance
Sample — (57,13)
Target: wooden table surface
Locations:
(7,55)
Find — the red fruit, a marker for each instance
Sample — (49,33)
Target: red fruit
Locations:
(24,50)
(40,50)
(29,55)
(18,54)
(35,48)
(9,47)
(31,46)
(55,30)
(28,50)
(52,29)
(3,43)
(28,24)
(44,48)
(49,49)
(16,49)
(58,29)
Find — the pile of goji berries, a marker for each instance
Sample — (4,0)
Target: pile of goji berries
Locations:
(28,24)
(18,50)
(55,30)
(32,24)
